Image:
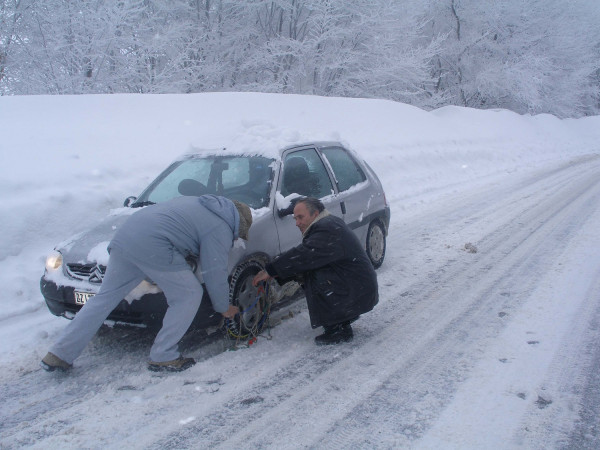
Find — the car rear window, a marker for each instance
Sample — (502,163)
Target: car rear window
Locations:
(347,172)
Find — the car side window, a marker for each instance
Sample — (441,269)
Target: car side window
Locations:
(347,172)
(305,174)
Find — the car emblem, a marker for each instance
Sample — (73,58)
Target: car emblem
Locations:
(96,276)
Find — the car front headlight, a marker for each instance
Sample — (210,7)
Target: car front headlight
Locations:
(54,261)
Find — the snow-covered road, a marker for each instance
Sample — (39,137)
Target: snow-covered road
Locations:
(486,336)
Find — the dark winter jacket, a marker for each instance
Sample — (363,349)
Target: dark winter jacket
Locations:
(337,276)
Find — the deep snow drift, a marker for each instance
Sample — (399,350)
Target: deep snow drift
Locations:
(67,161)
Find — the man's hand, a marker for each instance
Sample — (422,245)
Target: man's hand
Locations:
(261,276)
(231,312)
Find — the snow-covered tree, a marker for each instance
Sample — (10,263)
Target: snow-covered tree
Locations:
(529,56)
(526,55)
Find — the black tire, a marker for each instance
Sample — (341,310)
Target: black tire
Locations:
(376,243)
(251,300)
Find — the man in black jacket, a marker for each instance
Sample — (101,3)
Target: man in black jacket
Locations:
(333,268)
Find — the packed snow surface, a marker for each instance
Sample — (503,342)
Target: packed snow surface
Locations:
(487,331)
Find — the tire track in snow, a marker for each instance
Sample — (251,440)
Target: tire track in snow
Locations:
(586,430)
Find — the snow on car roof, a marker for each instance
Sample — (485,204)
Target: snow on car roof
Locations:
(274,152)
(259,139)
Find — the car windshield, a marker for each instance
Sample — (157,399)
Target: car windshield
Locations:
(244,178)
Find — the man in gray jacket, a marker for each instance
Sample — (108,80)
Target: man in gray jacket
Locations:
(154,243)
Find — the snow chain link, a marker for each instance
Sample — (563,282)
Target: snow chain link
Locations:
(235,334)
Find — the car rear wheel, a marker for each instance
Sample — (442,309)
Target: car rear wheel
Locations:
(252,301)
(376,243)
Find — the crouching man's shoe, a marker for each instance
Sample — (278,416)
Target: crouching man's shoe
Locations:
(51,362)
(335,334)
(176,365)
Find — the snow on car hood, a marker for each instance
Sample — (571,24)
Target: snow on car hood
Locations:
(91,245)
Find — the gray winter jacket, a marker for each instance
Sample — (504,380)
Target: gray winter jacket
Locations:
(163,235)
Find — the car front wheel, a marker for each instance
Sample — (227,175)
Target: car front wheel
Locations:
(252,301)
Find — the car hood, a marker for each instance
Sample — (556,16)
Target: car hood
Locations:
(91,245)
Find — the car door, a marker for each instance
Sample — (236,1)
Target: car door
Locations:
(302,173)
(354,190)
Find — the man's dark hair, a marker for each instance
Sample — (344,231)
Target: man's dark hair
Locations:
(312,204)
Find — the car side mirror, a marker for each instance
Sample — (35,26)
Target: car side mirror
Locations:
(285,211)
(129,201)
(288,210)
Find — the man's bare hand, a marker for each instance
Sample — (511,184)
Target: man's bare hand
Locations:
(260,276)
(231,312)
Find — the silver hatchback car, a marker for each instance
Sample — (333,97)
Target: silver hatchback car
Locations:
(268,183)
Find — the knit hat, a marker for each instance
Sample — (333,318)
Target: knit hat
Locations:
(245,219)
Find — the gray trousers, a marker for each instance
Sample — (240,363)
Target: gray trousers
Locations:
(182,290)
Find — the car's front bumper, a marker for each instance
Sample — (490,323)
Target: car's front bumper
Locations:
(148,310)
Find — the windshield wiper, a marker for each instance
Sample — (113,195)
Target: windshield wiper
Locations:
(141,204)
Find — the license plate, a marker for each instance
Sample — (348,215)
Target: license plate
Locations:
(82,297)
